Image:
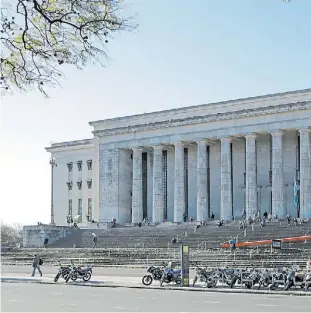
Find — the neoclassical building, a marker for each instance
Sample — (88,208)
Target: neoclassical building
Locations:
(218,157)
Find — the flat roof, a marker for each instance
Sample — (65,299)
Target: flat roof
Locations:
(263,97)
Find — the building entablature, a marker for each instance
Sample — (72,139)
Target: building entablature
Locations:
(218,117)
(71,145)
(168,142)
(204,109)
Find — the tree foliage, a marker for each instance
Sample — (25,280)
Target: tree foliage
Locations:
(39,37)
(11,234)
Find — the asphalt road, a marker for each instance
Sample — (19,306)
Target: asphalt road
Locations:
(64,298)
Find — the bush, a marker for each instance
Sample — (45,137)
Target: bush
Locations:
(11,234)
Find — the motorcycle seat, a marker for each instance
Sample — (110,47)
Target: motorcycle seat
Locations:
(84,269)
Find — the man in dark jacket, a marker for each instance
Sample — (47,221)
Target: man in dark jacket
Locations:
(36,265)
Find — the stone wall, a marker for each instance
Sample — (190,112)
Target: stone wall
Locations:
(33,236)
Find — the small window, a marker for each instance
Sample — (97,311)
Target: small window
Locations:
(69,185)
(89,209)
(70,207)
(89,183)
(79,184)
(89,165)
(79,206)
(79,164)
(69,166)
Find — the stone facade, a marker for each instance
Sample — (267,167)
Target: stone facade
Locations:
(219,158)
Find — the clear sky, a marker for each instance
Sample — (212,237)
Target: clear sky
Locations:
(184,53)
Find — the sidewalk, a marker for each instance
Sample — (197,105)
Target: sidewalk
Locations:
(135,282)
(95,280)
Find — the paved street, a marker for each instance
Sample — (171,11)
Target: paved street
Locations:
(65,298)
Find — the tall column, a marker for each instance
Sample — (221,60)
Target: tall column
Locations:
(150,183)
(225,177)
(305,173)
(202,213)
(157,203)
(278,196)
(137,189)
(251,175)
(179,183)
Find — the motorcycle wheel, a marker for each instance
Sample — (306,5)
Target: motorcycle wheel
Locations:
(147,280)
(178,280)
(57,277)
(232,284)
(74,277)
(68,278)
(87,276)
(205,282)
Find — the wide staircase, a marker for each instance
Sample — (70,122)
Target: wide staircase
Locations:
(143,257)
(160,236)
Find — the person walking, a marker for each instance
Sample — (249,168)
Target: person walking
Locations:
(36,265)
(94,240)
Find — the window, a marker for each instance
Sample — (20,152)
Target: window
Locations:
(80,207)
(79,184)
(79,163)
(69,166)
(69,185)
(89,165)
(89,183)
(70,207)
(89,209)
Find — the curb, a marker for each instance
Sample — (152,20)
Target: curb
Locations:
(199,289)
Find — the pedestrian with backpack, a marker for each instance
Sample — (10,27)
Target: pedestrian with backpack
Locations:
(37,262)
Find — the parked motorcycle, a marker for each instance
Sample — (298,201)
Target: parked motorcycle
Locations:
(155,274)
(207,277)
(278,279)
(171,275)
(294,279)
(80,272)
(62,272)
(252,279)
(236,278)
(265,279)
(225,275)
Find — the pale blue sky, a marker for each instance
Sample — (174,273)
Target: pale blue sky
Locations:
(184,53)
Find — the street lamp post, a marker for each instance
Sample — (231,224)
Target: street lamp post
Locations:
(53,164)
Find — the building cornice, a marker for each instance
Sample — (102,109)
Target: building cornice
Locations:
(83,143)
(202,106)
(282,108)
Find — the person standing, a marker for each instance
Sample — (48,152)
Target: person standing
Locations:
(94,240)
(36,265)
